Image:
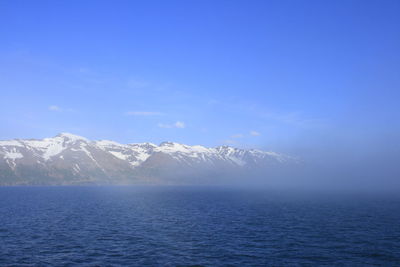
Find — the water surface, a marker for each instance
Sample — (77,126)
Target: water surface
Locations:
(184,226)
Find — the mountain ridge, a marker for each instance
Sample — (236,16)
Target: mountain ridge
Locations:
(71,159)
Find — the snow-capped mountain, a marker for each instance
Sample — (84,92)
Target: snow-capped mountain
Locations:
(71,159)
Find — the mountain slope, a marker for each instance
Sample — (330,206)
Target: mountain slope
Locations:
(68,159)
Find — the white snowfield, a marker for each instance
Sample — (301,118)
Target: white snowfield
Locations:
(135,154)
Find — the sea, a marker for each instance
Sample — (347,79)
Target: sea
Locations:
(195,226)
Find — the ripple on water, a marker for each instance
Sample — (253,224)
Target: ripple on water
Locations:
(89,226)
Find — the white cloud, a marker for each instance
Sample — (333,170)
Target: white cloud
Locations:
(54,108)
(177,124)
(255,133)
(144,113)
(237,136)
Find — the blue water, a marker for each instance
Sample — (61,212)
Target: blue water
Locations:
(182,226)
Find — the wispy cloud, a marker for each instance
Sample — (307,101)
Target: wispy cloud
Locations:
(255,133)
(144,113)
(292,118)
(239,135)
(177,124)
(54,108)
(84,70)
(212,101)
(137,84)
(230,142)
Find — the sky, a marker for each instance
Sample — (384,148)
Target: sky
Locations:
(308,78)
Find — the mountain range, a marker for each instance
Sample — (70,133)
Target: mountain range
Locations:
(68,159)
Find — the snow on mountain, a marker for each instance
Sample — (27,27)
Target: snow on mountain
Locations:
(13,155)
(68,156)
(135,154)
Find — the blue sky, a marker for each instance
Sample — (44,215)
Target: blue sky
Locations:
(280,75)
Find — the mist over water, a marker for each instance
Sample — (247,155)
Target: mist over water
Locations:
(339,164)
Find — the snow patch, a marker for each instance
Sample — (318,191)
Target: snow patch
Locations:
(119,155)
(53,149)
(103,144)
(170,147)
(13,155)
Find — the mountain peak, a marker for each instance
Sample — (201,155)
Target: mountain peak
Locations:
(145,144)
